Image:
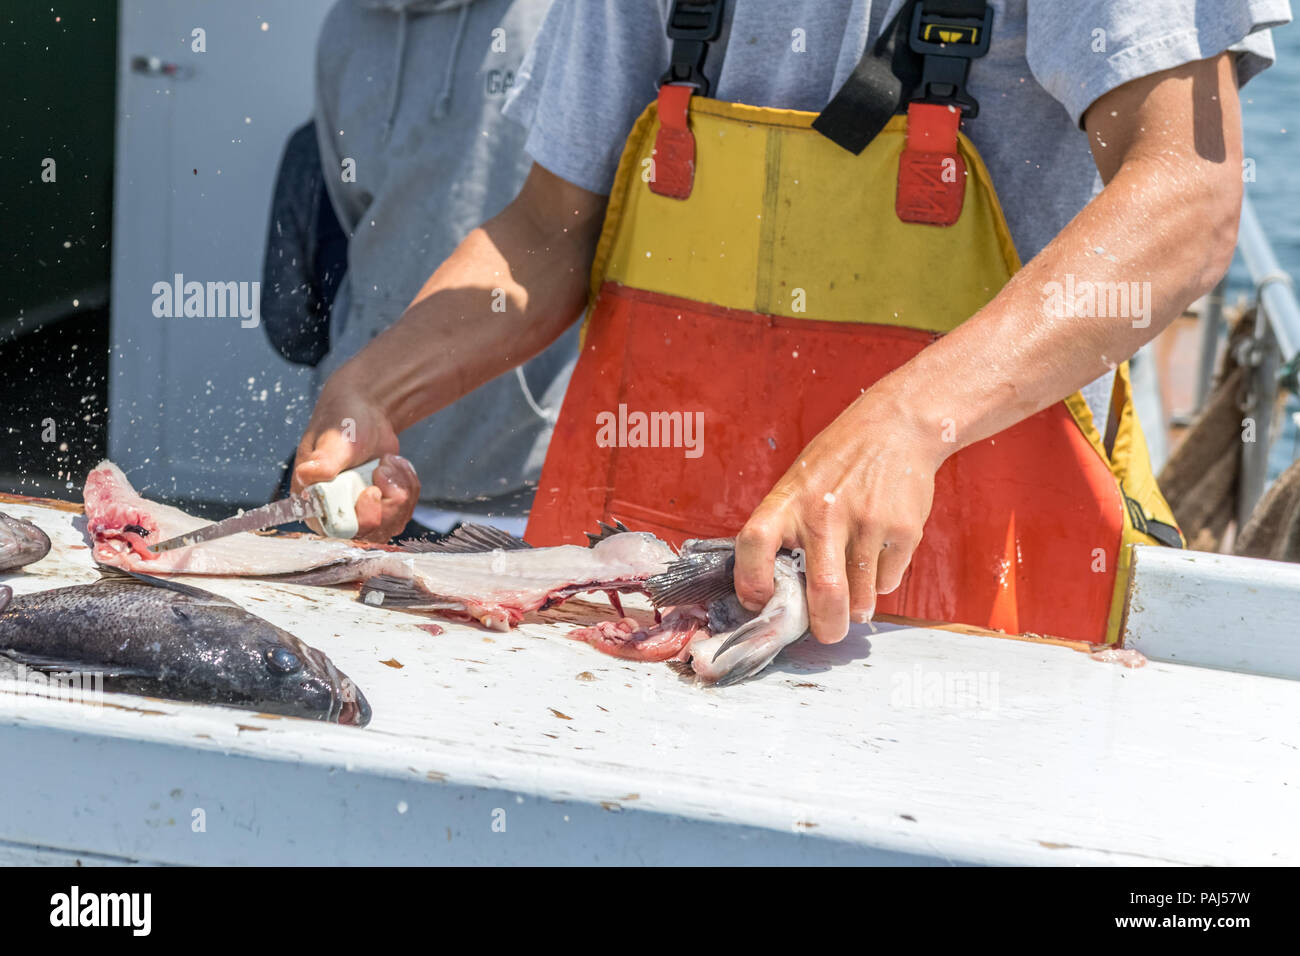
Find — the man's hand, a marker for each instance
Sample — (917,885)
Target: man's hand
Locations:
(346,430)
(856,501)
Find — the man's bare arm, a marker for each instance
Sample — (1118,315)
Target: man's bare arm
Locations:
(1169,150)
(533,257)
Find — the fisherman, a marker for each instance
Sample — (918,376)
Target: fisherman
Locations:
(801,241)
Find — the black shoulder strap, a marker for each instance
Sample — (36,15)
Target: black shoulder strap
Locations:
(692,26)
(923,55)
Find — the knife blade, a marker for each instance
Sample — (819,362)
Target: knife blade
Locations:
(293,508)
(333,502)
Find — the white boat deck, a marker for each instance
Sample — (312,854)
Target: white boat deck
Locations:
(908,745)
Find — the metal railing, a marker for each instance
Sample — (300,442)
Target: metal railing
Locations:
(1270,354)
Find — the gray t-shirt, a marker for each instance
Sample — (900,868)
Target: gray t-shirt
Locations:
(596,63)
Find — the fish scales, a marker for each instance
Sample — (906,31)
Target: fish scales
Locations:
(173,641)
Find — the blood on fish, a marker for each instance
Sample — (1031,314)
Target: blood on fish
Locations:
(631,640)
(616,602)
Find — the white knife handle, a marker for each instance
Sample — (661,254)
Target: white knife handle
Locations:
(338,499)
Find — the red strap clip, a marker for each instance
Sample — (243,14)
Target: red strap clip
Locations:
(931,173)
(673,173)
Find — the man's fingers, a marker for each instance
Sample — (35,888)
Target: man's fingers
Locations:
(827,587)
(864,553)
(895,555)
(330,454)
(876,566)
(370,515)
(399,487)
(756,548)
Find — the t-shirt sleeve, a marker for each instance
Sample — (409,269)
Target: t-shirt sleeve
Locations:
(1081,50)
(591,70)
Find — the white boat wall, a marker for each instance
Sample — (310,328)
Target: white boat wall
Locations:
(902,744)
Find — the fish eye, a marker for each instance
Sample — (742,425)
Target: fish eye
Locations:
(283,660)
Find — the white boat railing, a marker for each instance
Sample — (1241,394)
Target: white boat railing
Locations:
(1271,353)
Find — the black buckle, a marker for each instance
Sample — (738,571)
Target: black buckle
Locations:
(1165,533)
(948,44)
(691,27)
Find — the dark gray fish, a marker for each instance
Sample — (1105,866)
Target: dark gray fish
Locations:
(165,639)
(21,543)
(737,643)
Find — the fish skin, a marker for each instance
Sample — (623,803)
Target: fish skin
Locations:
(495,587)
(21,543)
(738,643)
(169,640)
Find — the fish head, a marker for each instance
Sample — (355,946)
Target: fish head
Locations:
(739,643)
(21,543)
(277,672)
(308,677)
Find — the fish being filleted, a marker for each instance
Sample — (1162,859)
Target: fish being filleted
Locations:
(169,640)
(21,543)
(486,569)
(485,575)
(736,643)
(480,574)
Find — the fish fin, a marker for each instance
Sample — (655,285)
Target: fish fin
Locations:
(121,574)
(58,665)
(466,538)
(419,545)
(606,531)
(700,578)
(338,572)
(746,668)
(745,630)
(6,595)
(386,590)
